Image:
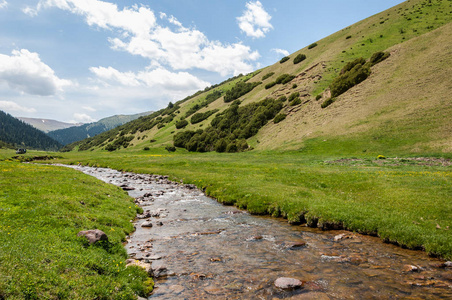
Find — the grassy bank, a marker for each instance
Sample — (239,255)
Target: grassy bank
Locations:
(403,201)
(42,208)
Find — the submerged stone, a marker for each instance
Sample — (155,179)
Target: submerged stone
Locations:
(287,283)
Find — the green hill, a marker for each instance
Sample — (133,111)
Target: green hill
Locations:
(76,133)
(400,107)
(21,135)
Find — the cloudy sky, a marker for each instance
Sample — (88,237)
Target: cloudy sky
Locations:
(83,60)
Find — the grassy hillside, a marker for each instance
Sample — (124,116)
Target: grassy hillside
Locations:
(408,87)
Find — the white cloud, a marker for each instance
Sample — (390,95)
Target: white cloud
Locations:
(3,4)
(89,108)
(82,118)
(159,77)
(24,71)
(178,47)
(12,106)
(281,51)
(29,11)
(255,21)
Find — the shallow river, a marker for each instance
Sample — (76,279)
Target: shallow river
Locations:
(200,249)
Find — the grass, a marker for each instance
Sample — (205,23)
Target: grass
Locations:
(401,203)
(42,208)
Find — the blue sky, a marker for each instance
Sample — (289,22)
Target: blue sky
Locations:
(83,60)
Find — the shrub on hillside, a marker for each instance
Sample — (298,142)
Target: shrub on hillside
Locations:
(199,117)
(284,59)
(279,118)
(318,97)
(284,78)
(170,148)
(270,85)
(282,98)
(295,102)
(313,45)
(352,74)
(181,124)
(294,96)
(209,99)
(240,89)
(268,75)
(299,58)
(378,57)
(328,102)
(229,129)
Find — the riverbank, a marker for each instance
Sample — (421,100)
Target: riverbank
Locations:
(42,208)
(200,249)
(403,201)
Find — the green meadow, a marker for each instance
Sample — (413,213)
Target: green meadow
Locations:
(403,201)
(42,208)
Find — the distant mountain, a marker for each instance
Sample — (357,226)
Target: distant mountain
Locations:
(47,125)
(78,133)
(16,132)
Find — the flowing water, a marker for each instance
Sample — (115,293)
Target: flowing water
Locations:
(200,249)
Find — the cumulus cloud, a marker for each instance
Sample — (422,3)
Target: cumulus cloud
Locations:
(82,118)
(3,4)
(174,45)
(150,78)
(281,51)
(255,21)
(12,106)
(24,71)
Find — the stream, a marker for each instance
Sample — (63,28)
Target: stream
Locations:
(200,249)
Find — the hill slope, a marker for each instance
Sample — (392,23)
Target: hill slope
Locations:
(22,135)
(47,125)
(77,133)
(400,108)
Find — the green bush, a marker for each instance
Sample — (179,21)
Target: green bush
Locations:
(240,89)
(268,75)
(282,98)
(328,102)
(284,59)
(378,57)
(352,74)
(294,96)
(295,102)
(220,145)
(270,85)
(181,124)
(199,117)
(294,86)
(170,148)
(279,118)
(146,148)
(313,45)
(299,58)
(318,97)
(284,78)
(229,129)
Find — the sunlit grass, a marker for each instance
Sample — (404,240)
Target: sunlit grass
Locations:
(402,203)
(42,208)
